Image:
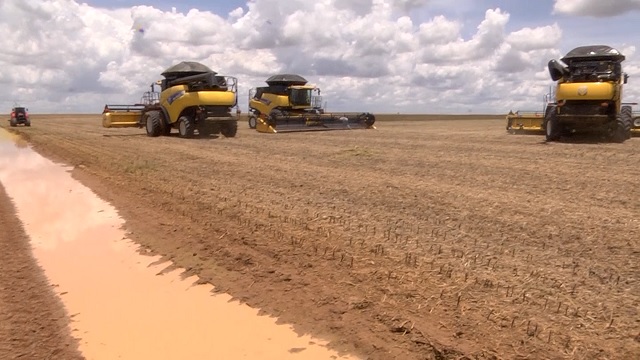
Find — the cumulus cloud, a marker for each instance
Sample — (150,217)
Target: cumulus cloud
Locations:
(440,30)
(367,55)
(595,8)
(527,39)
(484,42)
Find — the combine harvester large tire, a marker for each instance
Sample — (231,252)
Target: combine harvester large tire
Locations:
(288,104)
(193,99)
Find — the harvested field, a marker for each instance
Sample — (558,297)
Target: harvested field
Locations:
(422,239)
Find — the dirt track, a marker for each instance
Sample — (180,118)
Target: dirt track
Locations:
(418,240)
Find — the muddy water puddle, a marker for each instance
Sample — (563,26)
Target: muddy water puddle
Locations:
(119,307)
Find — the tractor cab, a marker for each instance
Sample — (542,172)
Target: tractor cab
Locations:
(19,115)
(20,112)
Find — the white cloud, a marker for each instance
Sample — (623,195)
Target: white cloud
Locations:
(440,30)
(483,44)
(544,37)
(595,8)
(367,55)
(236,13)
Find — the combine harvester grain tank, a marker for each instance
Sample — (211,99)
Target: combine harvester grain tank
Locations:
(192,98)
(289,104)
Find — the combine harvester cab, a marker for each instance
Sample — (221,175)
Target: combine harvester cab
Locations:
(192,98)
(588,95)
(288,104)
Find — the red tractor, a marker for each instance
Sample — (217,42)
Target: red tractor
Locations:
(19,115)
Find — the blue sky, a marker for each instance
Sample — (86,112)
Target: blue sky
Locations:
(411,56)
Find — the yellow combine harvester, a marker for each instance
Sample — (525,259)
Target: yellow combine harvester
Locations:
(193,99)
(588,95)
(288,104)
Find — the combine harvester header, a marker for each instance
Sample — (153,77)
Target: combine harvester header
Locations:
(528,122)
(289,104)
(118,116)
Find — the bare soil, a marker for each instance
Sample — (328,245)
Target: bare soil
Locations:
(33,322)
(419,240)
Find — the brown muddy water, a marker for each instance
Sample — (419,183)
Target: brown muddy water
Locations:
(119,307)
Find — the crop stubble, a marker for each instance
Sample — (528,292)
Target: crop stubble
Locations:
(419,239)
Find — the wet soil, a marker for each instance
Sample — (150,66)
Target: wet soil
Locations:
(33,322)
(127,305)
(419,240)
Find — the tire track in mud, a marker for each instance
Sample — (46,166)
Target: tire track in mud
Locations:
(401,240)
